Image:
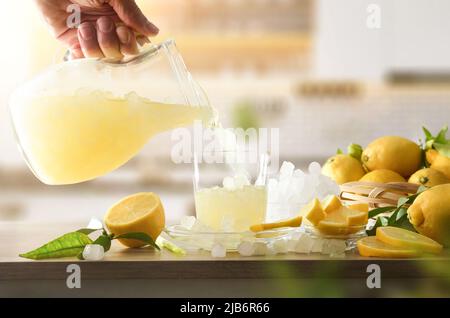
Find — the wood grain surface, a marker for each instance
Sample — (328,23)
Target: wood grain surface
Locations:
(146,263)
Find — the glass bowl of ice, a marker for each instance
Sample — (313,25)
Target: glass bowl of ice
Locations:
(192,235)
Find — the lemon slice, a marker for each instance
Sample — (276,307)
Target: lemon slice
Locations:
(293,222)
(373,247)
(140,212)
(330,227)
(407,239)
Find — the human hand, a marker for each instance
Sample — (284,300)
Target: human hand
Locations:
(108,28)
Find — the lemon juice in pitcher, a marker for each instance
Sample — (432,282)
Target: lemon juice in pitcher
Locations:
(82,119)
(70,139)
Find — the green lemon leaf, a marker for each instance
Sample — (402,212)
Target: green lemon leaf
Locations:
(355,151)
(375,212)
(402,201)
(105,241)
(70,244)
(428,135)
(443,149)
(421,189)
(393,218)
(409,199)
(140,236)
(400,214)
(404,223)
(87,231)
(441,137)
(381,221)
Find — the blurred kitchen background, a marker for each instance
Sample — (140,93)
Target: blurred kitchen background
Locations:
(314,68)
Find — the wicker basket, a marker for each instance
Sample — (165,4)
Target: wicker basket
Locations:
(376,194)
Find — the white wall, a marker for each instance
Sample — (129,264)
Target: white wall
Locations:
(414,34)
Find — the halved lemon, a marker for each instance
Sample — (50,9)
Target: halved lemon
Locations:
(372,247)
(140,212)
(407,239)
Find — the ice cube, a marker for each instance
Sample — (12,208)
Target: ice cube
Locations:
(218,250)
(228,183)
(95,224)
(280,246)
(298,173)
(200,227)
(314,168)
(240,181)
(246,248)
(326,186)
(271,250)
(227,223)
(260,248)
(317,245)
(291,245)
(283,190)
(304,244)
(93,252)
(188,222)
(286,170)
(272,183)
(334,246)
(298,180)
(272,190)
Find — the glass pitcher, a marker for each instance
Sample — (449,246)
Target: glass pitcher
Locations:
(84,118)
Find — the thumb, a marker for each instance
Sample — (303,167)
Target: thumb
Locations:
(132,16)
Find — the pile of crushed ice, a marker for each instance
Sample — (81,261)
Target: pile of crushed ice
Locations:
(292,188)
(248,245)
(296,243)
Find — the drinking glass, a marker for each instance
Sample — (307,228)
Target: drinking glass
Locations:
(230,189)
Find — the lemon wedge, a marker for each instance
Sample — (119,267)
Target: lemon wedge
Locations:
(313,212)
(361,207)
(331,203)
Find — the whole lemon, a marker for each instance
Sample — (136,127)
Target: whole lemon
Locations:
(438,162)
(394,153)
(429,177)
(343,168)
(382,176)
(430,213)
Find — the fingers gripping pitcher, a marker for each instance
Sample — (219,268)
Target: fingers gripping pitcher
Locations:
(84,118)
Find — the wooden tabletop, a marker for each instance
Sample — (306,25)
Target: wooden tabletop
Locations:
(146,263)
